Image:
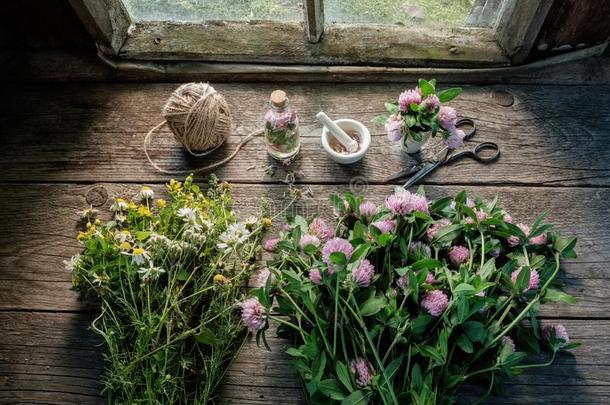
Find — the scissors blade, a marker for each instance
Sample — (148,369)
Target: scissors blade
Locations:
(421,173)
(403,173)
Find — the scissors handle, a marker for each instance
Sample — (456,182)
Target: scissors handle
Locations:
(467,121)
(478,153)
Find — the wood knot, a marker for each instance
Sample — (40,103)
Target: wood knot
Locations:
(157,41)
(503,98)
(96,196)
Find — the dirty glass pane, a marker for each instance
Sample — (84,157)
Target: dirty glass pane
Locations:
(206,10)
(431,13)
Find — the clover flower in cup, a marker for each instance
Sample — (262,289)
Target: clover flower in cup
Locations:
(319,228)
(435,302)
(253,314)
(433,230)
(507,341)
(315,276)
(430,103)
(430,279)
(507,217)
(367,209)
(363,274)
(362,371)
(336,245)
(459,254)
(307,240)
(403,281)
(409,97)
(534,279)
(558,331)
(271,244)
(539,240)
(456,138)
(447,117)
(395,127)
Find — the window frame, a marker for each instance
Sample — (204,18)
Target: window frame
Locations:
(310,42)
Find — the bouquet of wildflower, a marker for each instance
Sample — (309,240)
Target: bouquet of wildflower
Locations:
(168,275)
(405,302)
(419,111)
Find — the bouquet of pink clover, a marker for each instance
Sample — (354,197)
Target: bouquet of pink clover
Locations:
(406,302)
(419,111)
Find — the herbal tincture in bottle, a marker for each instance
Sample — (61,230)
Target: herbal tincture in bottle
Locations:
(281,128)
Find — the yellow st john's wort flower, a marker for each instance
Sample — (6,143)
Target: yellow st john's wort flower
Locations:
(125,246)
(144,211)
(267,222)
(161,203)
(174,186)
(219,278)
(131,205)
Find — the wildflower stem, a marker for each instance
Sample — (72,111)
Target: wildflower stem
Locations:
(548,363)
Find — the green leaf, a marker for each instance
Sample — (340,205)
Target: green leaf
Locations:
(431,353)
(332,388)
(425,87)
(475,331)
(447,233)
(416,378)
(419,324)
(391,369)
(465,344)
(344,375)
(207,337)
(449,94)
(355,398)
(372,305)
(391,107)
(142,235)
(338,258)
(294,352)
(380,119)
(523,279)
(553,295)
(427,264)
(464,289)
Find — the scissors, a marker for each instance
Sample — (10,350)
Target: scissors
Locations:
(446,156)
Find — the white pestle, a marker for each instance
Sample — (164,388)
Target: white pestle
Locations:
(350,145)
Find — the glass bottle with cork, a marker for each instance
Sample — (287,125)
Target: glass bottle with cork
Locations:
(281,128)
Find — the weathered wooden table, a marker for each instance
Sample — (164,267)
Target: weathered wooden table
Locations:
(64,146)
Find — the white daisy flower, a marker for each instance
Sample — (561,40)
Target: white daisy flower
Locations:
(88,213)
(71,264)
(98,280)
(235,235)
(118,205)
(150,272)
(139,255)
(191,217)
(122,236)
(250,222)
(146,193)
(118,217)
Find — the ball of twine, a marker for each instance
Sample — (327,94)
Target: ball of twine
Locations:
(200,120)
(198,116)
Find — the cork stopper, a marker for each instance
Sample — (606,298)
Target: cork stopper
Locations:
(278,98)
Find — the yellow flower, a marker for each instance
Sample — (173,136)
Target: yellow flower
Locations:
(125,245)
(267,222)
(81,236)
(174,186)
(219,278)
(138,251)
(144,211)
(131,205)
(161,203)
(97,221)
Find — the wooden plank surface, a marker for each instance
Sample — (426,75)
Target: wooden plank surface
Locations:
(51,357)
(88,133)
(65,146)
(38,239)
